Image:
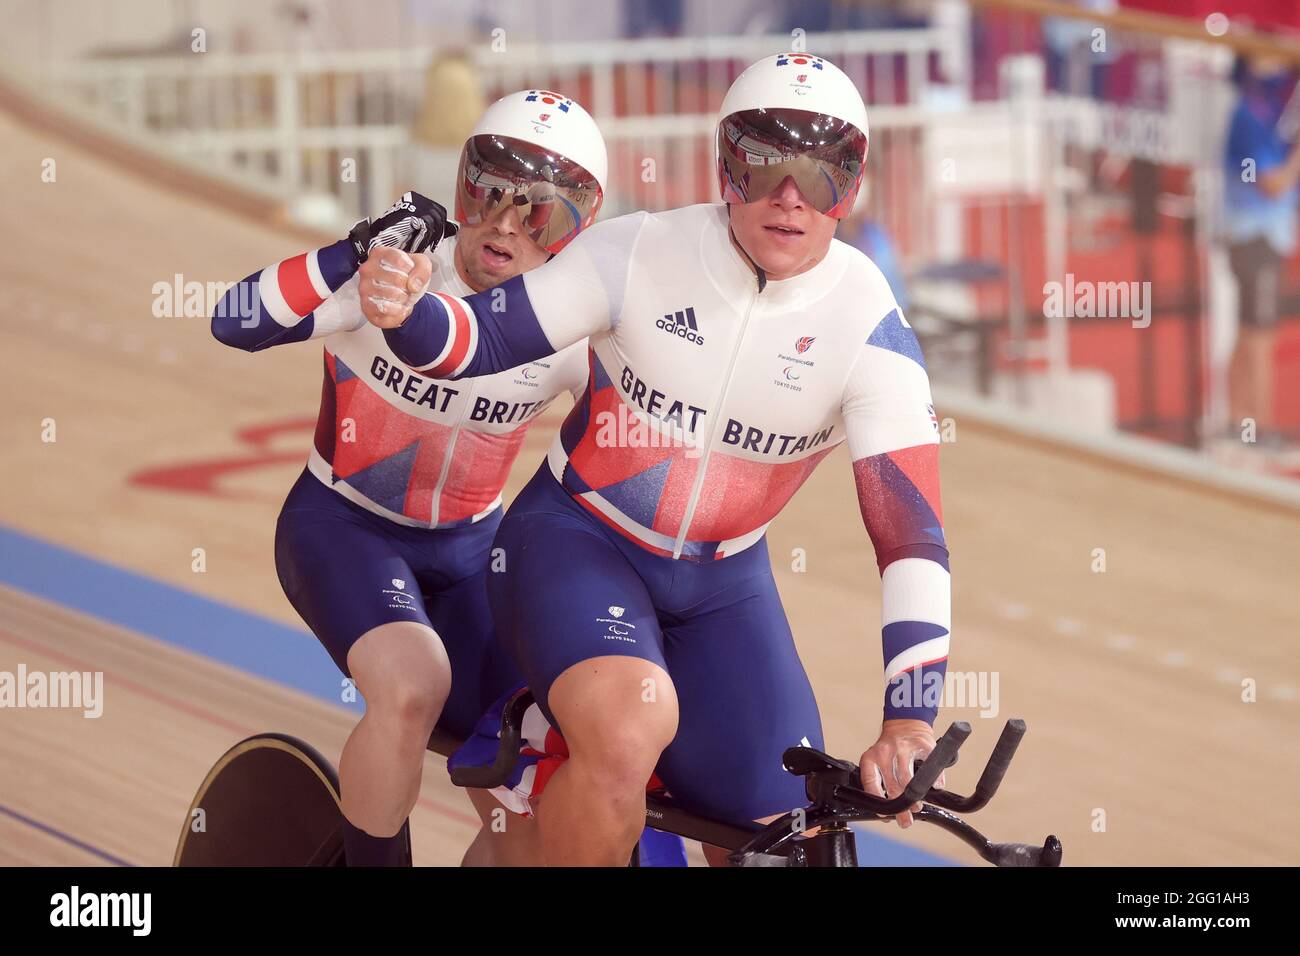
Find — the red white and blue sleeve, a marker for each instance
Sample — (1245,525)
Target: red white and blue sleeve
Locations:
(291,301)
(893,437)
(577,294)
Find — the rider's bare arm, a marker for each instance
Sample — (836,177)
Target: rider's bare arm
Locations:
(577,294)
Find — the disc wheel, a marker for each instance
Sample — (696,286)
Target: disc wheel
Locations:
(271,800)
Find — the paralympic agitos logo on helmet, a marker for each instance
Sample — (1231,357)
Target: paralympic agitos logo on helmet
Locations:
(803,63)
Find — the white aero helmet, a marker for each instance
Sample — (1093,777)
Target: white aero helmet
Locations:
(793,115)
(541,152)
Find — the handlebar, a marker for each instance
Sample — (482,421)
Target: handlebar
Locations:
(921,787)
(1024,854)
(943,756)
(999,854)
(994,770)
(834,788)
(487,778)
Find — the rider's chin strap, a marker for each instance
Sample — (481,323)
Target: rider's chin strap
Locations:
(758,270)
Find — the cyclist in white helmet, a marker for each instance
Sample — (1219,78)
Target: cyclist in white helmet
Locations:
(382,545)
(732,348)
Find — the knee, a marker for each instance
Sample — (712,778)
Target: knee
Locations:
(413,700)
(404,679)
(615,732)
(619,752)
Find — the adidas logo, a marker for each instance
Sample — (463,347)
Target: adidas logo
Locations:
(682,325)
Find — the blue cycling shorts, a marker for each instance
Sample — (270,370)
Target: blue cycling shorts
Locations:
(347,570)
(573,589)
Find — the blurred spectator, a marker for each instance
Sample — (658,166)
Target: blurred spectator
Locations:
(453,101)
(864,233)
(652,18)
(1078,59)
(1262,168)
(822,16)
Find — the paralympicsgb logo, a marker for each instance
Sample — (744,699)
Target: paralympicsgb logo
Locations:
(545,99)
(682,324)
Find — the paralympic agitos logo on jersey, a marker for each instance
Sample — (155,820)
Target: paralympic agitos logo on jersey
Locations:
(682,324)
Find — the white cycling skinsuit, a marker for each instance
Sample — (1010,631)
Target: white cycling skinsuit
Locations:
(712,397)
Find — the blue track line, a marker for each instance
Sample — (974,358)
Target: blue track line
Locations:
(171,614)
(64,837)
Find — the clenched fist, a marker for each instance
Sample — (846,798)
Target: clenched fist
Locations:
(391,282)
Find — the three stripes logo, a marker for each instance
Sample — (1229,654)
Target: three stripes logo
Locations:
(682,324)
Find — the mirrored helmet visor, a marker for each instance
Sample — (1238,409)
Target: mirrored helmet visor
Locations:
(758,149)
(555,197)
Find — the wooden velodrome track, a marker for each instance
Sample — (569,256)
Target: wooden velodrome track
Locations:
(1130,680)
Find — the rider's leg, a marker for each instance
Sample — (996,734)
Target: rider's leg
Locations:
(402,671)
(347,574)
(593,811)
(483,673)
(579,621)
